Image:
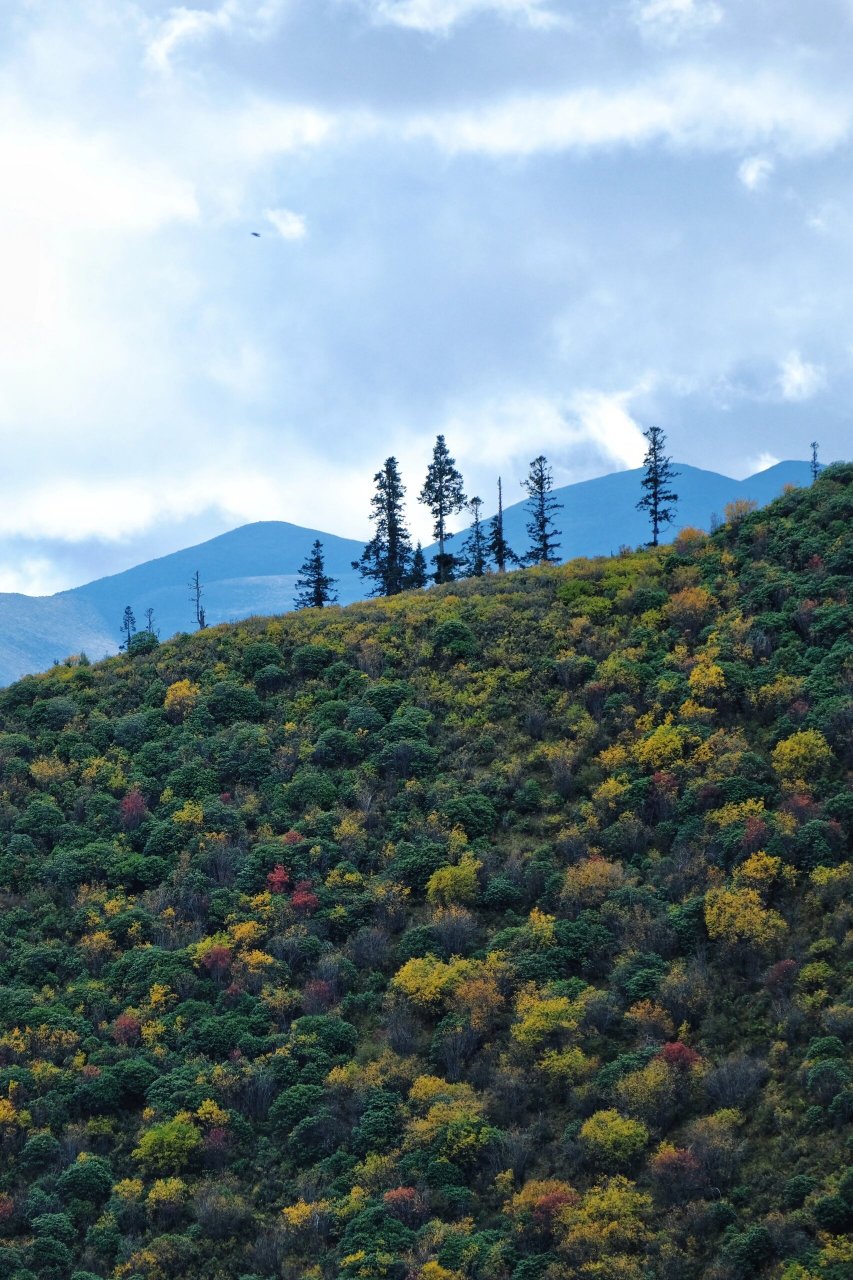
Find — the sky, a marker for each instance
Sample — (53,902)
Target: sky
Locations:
(537,226)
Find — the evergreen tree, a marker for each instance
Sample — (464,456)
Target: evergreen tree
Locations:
(659,499)
(128,627)
(417,575)
(542,505)
(498,547)
(149,623)
(314,588)
(444,496)
(475,549)
(196,590)
(815,463)
(387,555)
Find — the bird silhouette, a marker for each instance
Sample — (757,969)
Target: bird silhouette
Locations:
(257,233)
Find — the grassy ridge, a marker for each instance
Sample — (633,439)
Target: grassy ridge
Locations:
(497,932)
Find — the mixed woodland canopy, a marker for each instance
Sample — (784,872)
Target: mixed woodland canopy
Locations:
(496,932)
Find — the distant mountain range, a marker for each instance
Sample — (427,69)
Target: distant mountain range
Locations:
(253,569)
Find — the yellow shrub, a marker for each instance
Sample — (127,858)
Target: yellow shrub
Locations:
(455,884)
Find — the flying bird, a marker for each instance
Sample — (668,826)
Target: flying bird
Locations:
(257,233)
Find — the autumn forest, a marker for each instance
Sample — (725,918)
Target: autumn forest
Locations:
(500,931)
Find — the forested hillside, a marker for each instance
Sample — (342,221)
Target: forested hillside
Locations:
(496,932)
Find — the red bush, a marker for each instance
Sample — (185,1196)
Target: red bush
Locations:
(679,1055)
(548,1205)
(303,899)
(291,837)
(126,1029)
(133,810)
(404,1203)
(217,960)
(278,879)
(780,977)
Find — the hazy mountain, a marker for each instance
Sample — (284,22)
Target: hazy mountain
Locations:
(253,569)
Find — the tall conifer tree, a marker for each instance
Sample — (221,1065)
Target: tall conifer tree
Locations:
(314,587)
(475,547)
(544,537)
(498,547)
(660,498)
(387,556)
(444,495)
(417,575)
(128,627)
(815,463)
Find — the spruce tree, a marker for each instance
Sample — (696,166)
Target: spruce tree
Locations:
(815,463)
(544,537)
(387,556)
(417,575)
(498,547)
(659,499)
(475,548)
(444,495)
(314,588)
(128,627)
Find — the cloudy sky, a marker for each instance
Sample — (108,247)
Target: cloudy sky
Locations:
(535,225)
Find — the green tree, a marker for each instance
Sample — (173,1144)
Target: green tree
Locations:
(542,505)
(387,555)
(659,498)
(168,1146)
(444,496)
(128,627)
(314,587)
(417,575)
(815,465)
(474,549)
(497,546)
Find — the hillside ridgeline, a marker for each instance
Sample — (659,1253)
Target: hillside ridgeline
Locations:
(497,932)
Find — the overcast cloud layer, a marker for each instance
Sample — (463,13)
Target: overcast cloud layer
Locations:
(536,225)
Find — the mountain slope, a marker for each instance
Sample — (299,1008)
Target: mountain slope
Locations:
(253,569)
(495,932)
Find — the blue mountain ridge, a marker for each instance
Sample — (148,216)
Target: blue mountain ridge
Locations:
(253,569)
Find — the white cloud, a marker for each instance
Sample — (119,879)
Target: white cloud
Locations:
(32,576)
(57,176)
(691,108)
(761,463)
(511,430)
(755,172)
(604,419)
(289,225)
(440,16)
(185,25)
(672,20)
(799,380)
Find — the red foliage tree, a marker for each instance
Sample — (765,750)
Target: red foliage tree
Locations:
(679,1055)
(133,810)
(278,879)
(303,899)
(291,837)
(126,1029)
(217,960)
(404,1203)
(547,1206)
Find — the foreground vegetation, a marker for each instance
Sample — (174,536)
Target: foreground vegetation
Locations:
(499,932)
